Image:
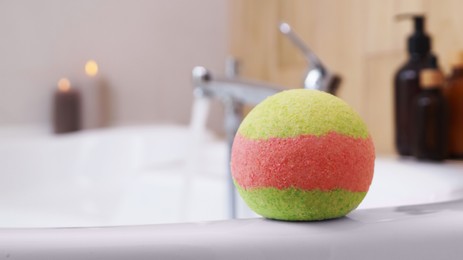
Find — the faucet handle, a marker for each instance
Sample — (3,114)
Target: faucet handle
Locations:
(309,55)
(318,76)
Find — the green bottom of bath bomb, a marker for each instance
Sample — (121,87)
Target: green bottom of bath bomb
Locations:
(300,205)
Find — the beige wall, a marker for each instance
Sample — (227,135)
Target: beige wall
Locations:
(146,50)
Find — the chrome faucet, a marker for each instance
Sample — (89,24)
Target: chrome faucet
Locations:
(318,76)
(235,92)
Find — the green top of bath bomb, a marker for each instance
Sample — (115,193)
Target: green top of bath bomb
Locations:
(301,111)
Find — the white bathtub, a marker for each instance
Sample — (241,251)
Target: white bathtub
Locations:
(159,174)
(132,175)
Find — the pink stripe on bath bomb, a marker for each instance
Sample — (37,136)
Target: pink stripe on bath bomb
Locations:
(327,162)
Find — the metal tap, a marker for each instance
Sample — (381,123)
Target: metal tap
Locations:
(235,92)
(318,76)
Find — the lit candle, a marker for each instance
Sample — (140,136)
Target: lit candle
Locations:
(66,112)
(95,97)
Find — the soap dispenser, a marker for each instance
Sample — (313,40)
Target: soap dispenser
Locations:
(454,94)
(407,84)
(431,122)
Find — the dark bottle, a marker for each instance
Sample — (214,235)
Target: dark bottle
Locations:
(454,95)
(431,123)
(407,85)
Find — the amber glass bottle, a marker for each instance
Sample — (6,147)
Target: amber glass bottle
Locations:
(407,85)
(454,95)
(431,123)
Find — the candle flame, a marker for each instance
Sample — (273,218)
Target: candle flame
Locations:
(64,85)
(91,68)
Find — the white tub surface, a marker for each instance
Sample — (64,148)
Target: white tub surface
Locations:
(432,231)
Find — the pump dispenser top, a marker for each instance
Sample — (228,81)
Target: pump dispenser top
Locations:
(419,41)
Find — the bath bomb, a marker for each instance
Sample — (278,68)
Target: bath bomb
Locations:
(302,155)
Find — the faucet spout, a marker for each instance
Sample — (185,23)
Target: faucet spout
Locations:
(245,92)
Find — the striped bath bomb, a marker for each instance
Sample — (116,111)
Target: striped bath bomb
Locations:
(302,155)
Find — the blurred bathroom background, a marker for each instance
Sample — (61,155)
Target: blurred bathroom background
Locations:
(146,50)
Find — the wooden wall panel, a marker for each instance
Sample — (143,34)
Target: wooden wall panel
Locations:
(446,27)
(360,39)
